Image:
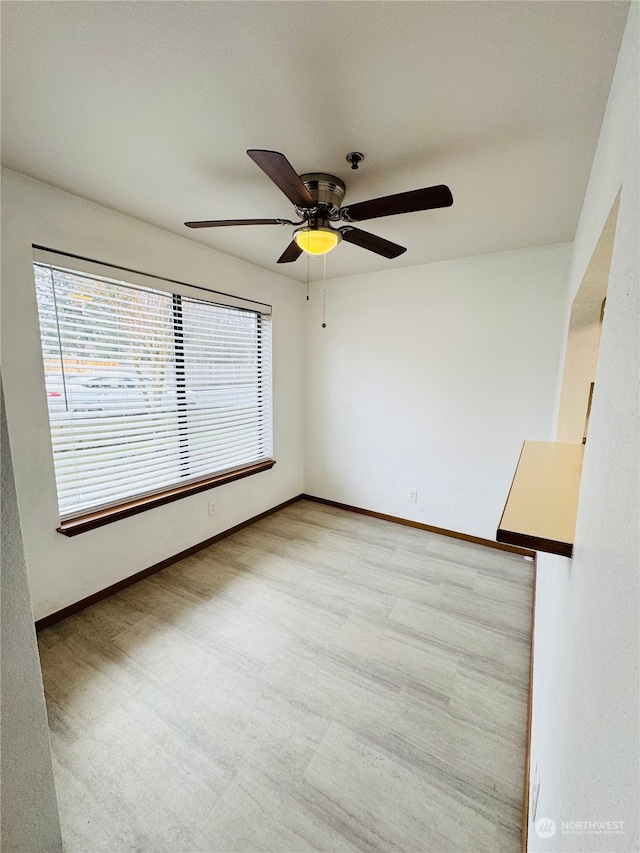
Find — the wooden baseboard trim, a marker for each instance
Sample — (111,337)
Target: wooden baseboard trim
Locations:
(429,528)
(46,621)
(59,615)
(527,757)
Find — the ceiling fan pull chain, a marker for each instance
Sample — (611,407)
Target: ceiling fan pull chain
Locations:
(308,259)
(324,291)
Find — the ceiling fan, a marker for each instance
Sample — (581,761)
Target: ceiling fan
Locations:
(317,198)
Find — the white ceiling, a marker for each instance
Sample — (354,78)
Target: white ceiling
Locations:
(148,108)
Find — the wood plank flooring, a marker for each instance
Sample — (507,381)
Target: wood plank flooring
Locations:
(318,681)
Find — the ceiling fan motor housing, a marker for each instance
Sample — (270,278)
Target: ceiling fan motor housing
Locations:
(327,190)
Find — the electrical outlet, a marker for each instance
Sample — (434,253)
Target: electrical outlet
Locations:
(413,495)
(212,507)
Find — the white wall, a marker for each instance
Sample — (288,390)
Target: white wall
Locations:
(63,570)
(431,378)
(30,819)
(585,687)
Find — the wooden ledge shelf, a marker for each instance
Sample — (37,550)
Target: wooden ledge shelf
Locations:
(542,505)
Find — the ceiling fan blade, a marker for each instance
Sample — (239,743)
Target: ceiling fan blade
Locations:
(390,205)
(283,175)
(222,223)
(290,254)
(371,242)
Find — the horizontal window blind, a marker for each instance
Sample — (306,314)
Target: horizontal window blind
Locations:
(147,389)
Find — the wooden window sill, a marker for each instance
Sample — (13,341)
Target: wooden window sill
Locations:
(74,526)
(542,505)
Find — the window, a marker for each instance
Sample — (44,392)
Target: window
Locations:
(150,391)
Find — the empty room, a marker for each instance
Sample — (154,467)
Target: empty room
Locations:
(320,426)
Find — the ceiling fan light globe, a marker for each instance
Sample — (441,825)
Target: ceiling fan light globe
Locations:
(317,241)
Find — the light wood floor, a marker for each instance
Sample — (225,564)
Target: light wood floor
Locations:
(319,681)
